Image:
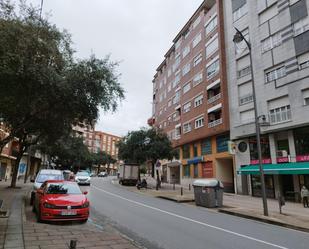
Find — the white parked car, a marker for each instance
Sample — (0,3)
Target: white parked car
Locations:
(83,178)
(42,176)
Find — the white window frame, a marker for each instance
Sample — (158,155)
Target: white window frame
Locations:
(197,39)
(186,107)
(186,51)
(301,26)
(271,42)
(199,122)
(197,79)
(240,12)
(216,71)
(198,100)
(215,41)
(211,25)
(186,87)
(186,69)
(196,22)
(197,59)
(187,127)
(280,114)
(275,74)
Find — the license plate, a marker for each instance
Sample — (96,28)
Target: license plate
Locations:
(68,213)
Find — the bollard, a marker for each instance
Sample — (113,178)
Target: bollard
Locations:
(73,244)
(189,187)
(181,191)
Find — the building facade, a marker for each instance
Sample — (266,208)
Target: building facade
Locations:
(190,100)
(279,35)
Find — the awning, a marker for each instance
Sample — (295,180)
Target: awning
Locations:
(195,160)
(301,168)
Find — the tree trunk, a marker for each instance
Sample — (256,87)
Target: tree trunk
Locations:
(15,170)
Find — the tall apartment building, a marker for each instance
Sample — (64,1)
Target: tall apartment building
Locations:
(190,101)
(279,35)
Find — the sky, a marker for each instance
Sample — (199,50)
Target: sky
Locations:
(136,33)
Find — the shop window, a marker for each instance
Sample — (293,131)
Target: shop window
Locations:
(206,147)
(264,147)
(195,150)
(222,143)
(301,137)
(195,170)
(186,151)
(269,185)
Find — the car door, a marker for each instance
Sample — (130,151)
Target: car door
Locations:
(39,196)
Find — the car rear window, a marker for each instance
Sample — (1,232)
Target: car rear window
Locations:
(62,188)
(44,177)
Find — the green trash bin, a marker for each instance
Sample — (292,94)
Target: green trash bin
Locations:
(208,192)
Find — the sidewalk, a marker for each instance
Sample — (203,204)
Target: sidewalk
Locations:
(21,231)
(294,215)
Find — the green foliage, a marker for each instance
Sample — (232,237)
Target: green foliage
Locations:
(145,145)
(43,89)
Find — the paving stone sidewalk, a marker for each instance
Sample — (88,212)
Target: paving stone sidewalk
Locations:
(21,231)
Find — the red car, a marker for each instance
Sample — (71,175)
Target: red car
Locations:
(59,200)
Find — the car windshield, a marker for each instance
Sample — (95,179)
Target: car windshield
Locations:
(62,188)
(42,177)
(82,174)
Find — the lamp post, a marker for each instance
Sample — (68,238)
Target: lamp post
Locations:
(238,37)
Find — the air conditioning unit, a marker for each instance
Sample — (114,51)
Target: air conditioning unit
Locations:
(282,153)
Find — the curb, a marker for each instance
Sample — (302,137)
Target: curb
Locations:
(175,200)
(261,219)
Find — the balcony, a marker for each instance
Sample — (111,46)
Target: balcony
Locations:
(214,98)
(215,123)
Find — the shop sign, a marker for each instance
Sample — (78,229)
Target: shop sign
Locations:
(283,159)
(302,158)
(264,161)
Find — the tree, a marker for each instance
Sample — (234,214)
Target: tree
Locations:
(44,91)
(146,145)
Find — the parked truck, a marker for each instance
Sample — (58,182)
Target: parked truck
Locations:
(128,174)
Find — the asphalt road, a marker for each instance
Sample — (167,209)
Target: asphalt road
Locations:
(157,223)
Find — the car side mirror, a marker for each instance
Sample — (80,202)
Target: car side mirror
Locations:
(85,192)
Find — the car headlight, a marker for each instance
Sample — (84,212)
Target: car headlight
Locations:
(85,205)
(48,205)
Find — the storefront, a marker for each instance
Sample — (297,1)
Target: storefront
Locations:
(284,172)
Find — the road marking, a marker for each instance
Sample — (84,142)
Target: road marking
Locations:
(191,220)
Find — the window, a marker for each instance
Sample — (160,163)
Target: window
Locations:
(186,87)
(169,72)
(275,74)
(187,107)
(268,14)
(304,65)
(240,12)
(271,42)
(187,128)
(206,147)
(301,26)
(280,114)
(213,69)
(169,87)
(303,61)
(169,103)
(197,39)
(177,44)
(198,78)
(177,132)
(186,69)
(177,62)
(211,25)
(185,51)
(212,47)
(246,99)
(195,150)
(176,98)
(197,59)
(247,116)
(186,151)
(222,143)
(243,72)
(186,33)
(160,85)
(196,22)
(198,101)
(306,96)
(177,78)
(199,122)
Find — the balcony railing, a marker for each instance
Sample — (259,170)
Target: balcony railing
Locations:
(214,98)
(215,123)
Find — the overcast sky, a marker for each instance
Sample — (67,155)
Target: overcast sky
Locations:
(135,32)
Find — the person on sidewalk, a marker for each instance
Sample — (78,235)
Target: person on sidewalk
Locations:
(304,193)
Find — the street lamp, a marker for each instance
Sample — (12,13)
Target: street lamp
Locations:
(239,37)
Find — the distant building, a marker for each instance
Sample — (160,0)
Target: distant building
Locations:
(190,99)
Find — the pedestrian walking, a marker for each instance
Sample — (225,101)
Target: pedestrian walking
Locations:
(304,193)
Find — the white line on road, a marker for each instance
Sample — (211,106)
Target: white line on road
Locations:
(191,220)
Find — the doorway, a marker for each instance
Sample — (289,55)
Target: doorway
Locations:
(288,187)
(225,173)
